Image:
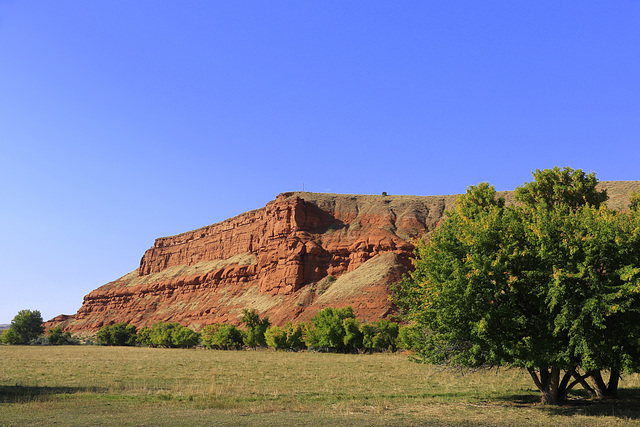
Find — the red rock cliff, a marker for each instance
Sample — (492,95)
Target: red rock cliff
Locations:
(300,253)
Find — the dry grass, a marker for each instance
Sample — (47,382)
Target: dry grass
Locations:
(170,273)
(353,283)
(141,386)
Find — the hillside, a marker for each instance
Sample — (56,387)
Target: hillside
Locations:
(300,253)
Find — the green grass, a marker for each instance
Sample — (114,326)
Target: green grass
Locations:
(88,385)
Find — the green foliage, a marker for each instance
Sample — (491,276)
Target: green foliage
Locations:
(184,337)
(339,330)
(634,201)
(289,337)
(276,337)
(168,335)
(143,336)
(295,335)
(566,186)
(478,199)
(120,334)
(222,336)
(326,329)
(55,336)
(25,327)
(254,328)
(380,335)
(387,335)
(353,335)
(10,336)
(408,337)
(549,285)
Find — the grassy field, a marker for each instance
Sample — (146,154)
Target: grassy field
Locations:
(90,385)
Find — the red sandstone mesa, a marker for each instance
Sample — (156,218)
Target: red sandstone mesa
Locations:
(300,253)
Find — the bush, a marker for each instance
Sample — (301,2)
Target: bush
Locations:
(143,336)
(387,335)
(380,336)
(295,333)
(41,340)
(255,328)
(222,336)
(327,329)
(184,337)
(169,335)
(119,334)
(10,336)
(352,334)
(55,336)
(276,337)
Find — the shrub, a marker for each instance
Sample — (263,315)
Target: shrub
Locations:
(387,335)
(255,328)
(41,340)
(352,334)
(381,335)
(55,336)
(326,329)
(118,334)
(276,337)
(143,336)
(288,337)
(184,337)
(295,338)
(10,336)
(169,335)
(222,336)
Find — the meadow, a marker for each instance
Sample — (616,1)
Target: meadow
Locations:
(92,385)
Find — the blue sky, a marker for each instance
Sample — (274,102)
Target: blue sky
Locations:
(125,121)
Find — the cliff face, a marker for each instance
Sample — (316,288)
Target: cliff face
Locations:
(297,255)
(300,253)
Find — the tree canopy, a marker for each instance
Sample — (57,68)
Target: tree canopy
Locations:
(25,326)
(551,285)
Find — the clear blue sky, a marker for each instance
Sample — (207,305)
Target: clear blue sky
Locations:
(123,121)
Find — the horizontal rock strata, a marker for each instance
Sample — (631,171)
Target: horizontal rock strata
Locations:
(300,253)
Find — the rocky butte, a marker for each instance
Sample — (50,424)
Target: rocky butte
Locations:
(300,253)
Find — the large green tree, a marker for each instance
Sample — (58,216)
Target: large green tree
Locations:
(25,326)
(551,285)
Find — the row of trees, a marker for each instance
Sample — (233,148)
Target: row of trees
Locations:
(330,330)
(26,328)
(551,285)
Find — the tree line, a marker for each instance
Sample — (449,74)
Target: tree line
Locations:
(335,330)
(332,330)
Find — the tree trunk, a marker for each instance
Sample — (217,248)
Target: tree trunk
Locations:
(549,385)
(612,388)
(598,384)
(603,390)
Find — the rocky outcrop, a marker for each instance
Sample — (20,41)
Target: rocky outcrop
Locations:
(300,253)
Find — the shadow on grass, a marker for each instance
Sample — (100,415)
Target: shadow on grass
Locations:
(627,405)
(22,394)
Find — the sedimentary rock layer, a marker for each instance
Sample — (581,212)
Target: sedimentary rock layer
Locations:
(298,254)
